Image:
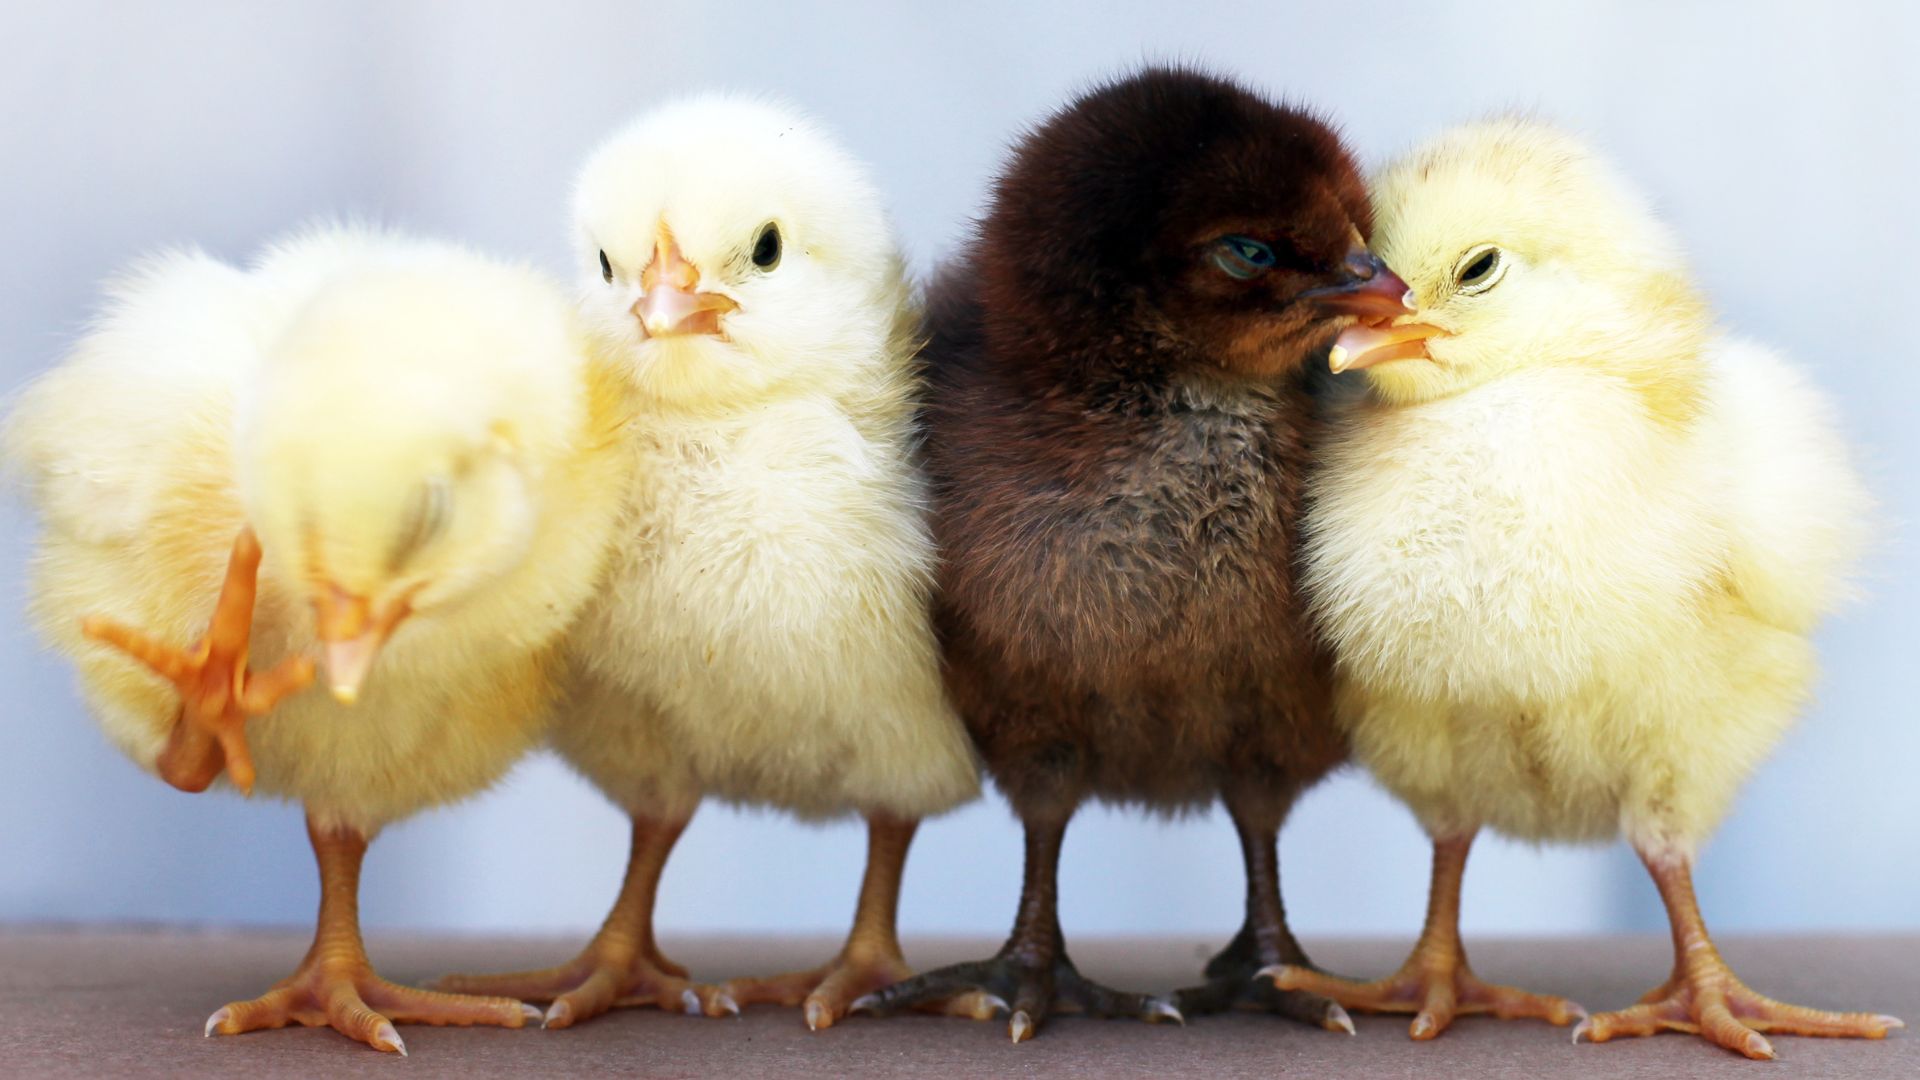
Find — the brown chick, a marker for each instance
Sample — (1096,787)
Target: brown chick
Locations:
(1117,430)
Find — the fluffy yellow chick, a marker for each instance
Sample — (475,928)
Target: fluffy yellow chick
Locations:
(1569,556)
(764,635)
(429,460)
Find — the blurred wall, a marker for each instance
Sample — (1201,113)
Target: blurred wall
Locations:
(1777,137)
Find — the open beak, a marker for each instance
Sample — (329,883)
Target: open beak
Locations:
(672,302)
(353,633)
(1362,345)
(1375,296)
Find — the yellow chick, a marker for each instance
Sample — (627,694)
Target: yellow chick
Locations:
(1569,556)
(764,635)
(429,459)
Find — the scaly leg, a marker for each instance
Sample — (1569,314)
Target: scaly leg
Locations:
(1703,997)
(1435,984)
(1031,970)
(1264,940)
(871,958)
(218,694)
(621,965)
(336,987)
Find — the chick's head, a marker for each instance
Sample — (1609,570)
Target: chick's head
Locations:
(393,452)
(1524,248)
(732,250)
(1180,206)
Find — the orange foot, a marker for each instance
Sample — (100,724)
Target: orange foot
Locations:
(346,995)
(218,694)
(601,977)
(1708,1000)
(1434,987)
(827,993)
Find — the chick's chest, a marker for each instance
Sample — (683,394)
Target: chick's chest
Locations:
(1504,541)
(764,515)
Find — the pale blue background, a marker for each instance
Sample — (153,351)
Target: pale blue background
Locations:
(1778,137)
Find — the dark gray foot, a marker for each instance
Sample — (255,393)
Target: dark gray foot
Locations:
(1029,994)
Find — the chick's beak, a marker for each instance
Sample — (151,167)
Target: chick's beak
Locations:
(1375,296)
(353,633)
(672,302)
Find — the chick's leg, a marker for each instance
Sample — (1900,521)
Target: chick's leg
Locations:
(218,694)
(871,958)
(621,965)
(336,987)
(1031,971)
(1264,939)
(1435,984)
(1705,998)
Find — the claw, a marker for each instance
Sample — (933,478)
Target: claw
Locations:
(1338,1020)
(385,1033)
(1159,1009)
(690,1001)
(870,1003)
(530,1013)
(1000,1005)
(818,1016)
(220,1016)
(1890,1021)
(1020,1026)
(1273,972)
(558,1015)
(725,1001)
(1421,1028)
(1581,1028)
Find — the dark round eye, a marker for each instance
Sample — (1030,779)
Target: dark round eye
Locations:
(606,268)
(1242,257)
(766,249)
(1481,268)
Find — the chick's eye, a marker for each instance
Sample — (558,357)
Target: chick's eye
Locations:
(1480,269)
(766,248)
(426,518)
(606,268)
(1242,257)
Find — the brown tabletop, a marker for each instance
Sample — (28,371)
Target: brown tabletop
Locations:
(88,1002)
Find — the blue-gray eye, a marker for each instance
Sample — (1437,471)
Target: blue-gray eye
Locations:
(1242,257)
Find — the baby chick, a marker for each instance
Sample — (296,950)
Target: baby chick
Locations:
(1118,431)
(425,452)
(1569,556)
(764,635)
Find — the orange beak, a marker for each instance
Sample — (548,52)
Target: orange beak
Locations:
(353,634)
(672,302)
(1362,345)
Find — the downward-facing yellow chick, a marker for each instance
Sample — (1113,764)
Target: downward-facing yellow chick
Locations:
(1569,555)
(427,457)
(764,635)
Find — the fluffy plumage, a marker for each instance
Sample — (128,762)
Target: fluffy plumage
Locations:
(1118,432)
(764,636)
(1570,561)
(402,423)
